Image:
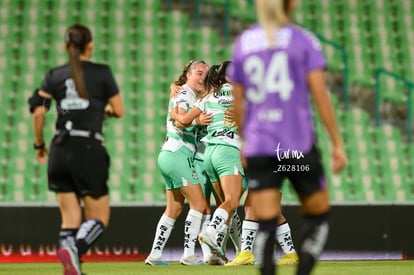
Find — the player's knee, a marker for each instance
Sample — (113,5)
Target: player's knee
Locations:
(200,205)
(174,212)
(316,203)
(232,203)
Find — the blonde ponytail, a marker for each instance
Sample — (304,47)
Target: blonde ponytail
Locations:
(271,15)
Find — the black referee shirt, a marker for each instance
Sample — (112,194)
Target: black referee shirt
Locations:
(84,114)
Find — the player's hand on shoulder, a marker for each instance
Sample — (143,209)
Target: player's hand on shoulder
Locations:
(175,90)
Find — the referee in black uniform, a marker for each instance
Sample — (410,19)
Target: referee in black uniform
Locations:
(78,162)
(38,107)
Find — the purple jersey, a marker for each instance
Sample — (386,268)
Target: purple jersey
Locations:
(278,114)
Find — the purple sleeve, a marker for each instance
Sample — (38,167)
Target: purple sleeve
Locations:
(314,58)
(235,69)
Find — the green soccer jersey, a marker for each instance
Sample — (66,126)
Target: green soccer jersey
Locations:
(200,133)
(176,137)
(220,130)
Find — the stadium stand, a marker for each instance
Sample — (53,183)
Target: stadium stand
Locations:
(147,47)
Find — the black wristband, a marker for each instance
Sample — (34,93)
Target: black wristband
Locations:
(39,147)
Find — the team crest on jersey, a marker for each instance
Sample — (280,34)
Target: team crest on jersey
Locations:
(72,100)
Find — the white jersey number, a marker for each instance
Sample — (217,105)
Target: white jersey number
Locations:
(274,80)
(72,101)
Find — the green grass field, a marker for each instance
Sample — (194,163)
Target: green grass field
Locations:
(138,268)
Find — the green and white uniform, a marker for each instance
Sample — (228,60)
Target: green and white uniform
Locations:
(176,159)
(200,133)
(222,154)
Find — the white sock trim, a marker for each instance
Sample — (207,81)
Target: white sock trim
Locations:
(250,225)
(167,220)
(195,214)
(283,229)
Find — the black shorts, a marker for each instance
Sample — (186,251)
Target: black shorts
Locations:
(305,172)
(80,165)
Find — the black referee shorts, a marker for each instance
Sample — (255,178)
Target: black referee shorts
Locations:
(305,172)
(80,165)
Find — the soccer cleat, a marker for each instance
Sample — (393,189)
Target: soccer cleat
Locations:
(243,258)
(70,261)
(204,237)
(287,259)
(155,262)
(191,260)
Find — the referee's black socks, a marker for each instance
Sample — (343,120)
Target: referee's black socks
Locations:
(264,246)
(313,236)
(88,233)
